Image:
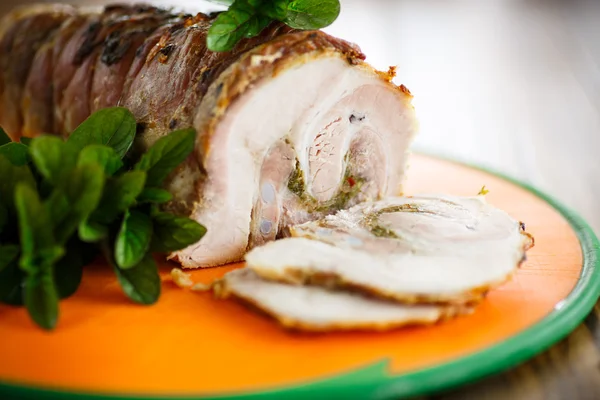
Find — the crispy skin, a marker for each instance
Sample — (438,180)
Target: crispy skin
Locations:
(24,31)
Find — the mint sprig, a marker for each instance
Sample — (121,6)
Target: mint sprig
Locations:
(247,18)
(62,203)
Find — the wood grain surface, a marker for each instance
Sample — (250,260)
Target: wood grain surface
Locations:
(509,84)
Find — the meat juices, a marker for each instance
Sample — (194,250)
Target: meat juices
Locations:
(292,125)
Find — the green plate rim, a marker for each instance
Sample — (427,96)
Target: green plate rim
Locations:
(373,381)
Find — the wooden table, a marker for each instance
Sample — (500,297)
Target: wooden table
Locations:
(514,86)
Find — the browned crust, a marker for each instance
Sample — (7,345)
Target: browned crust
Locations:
(22,32)
(294,275)
(223,291)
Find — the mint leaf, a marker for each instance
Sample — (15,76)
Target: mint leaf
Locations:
(172,233)
(83,190)
(25,140)
(229,28)
(276,9)
(11,284)
(11,175)
(41,298)
(166,154)
(104,156)
(256,24)
(154,195)
(53,158)
(142,282)
(8,254)
(16,153)
(114,127)
(4,138)
(68,271)
(120,194)
(3,216)
(57,206)
(133,239)
(311,14)
(92,232)
(37,240)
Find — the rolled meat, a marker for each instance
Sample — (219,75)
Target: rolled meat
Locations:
(292,125)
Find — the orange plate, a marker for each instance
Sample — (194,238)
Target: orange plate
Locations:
(192,344)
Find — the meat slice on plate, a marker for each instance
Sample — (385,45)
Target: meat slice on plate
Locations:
(441,249)
(312,308)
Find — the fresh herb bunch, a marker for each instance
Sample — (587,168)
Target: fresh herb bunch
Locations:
(247,18)
(62,203)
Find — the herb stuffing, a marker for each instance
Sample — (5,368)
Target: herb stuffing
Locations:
(247,18)
(63,203)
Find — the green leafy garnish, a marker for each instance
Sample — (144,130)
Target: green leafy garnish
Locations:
(311,14)
(172,233)
(11,284)
(142,282)
(83,191)
(114,127)
(247,18)
(41,298)
(39,253)
(92,231)
(133,239)
(4,139)
(53,158)
(104,156)
(64,202)
(8,254)
(154,195)
(120,194)
(16,153)
(38,244)
(68,270)
(166,154)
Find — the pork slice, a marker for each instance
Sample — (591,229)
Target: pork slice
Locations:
(296,129)
(22,33)
(310,308)
(441,248)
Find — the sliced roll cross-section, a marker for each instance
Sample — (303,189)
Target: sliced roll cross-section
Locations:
(296,129)
(422,249)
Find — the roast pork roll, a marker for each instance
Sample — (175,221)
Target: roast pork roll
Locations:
(292,125)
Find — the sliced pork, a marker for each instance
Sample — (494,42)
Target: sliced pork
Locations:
(442,249)
(292,125)
(311,308)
